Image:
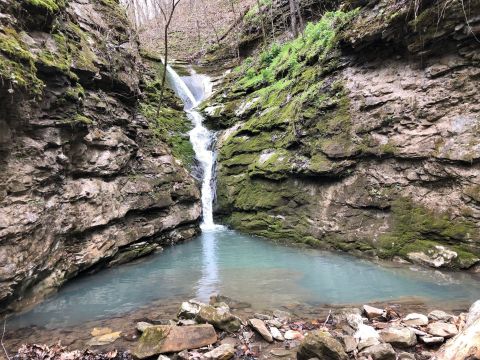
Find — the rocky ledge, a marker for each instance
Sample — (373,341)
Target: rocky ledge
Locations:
(213,331)
(87,177)
(361,135)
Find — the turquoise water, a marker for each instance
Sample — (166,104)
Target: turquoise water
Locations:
(245,268)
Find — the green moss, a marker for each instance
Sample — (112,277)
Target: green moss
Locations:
(17,62)
(170,124)
(49,5)
(79,118)
(417,229)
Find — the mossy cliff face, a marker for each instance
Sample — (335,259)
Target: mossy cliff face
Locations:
(84,171)
(361,135)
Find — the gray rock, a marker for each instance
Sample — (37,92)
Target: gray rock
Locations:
(219,317)
(188,322)
(223,352)
(276,334)
(415,319)
(372,312)
(399,336)
(189,309)
(473,313)
(442,329)
(349,342)
(163,357)
(380,352)
(260,327)
(365,343)
(439,315)
(321,345)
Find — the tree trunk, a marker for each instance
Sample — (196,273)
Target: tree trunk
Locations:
(264,33)
(293,18)
(165,62)
(299,13)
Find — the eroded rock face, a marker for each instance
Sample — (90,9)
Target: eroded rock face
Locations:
(372,147)
(81,174)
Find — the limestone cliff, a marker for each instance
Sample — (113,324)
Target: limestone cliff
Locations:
(86,177)
(361,135)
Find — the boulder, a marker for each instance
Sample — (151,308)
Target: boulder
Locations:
(220,317)
(399,336)
(260,327)
(415,319)
(321,345)
(442,329)
(405,356)
(262,316)
(465,345)
(439,256)
(233,304)
(473,313)
(223,352)
(365,343)
(379,352)
(372,312)
(161,339)
(439,315)
(362,331)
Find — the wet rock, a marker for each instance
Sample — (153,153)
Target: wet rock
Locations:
(399,336)
(322,345)
(415,319)
(262,316)
(223,352)
(276,334)
(233,304)
(442,329)
(142,325)
(104,339)
(219,317)
(372,312)
(432,340)
(380,352)
(439,315)
(283,316)
(293,335)
(100,331)
(260,327)
(165,339)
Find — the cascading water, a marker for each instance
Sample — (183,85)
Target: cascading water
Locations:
(200,137)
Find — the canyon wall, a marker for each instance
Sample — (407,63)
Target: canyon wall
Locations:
(87,175)
(361,135)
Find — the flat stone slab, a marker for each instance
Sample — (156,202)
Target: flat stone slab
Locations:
(161,339)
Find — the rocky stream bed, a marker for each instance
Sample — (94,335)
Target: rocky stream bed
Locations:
(226,328)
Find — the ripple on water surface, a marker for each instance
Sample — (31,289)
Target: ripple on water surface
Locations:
(245,268)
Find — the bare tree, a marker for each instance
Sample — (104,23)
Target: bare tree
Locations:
(293,17)
(167,9)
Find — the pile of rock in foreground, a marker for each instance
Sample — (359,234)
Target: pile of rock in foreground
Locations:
(212,331)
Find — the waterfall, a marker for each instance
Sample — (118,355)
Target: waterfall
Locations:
(200,137)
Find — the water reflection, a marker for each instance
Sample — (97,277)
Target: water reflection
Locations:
(209,281)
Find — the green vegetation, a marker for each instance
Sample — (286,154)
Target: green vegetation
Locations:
(170,124)
(50,5)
